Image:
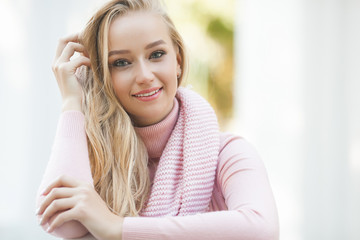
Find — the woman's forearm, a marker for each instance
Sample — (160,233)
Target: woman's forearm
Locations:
(69,156)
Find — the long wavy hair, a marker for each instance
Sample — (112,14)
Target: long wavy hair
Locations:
(118,157)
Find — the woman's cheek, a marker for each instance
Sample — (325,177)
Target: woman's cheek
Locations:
(121,82)
(167,70)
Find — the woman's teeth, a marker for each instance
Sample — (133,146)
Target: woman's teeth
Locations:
(147,94)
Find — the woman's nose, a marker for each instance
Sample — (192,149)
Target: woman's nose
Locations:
(144,73)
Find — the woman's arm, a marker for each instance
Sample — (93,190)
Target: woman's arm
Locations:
(69,153)
(68,205)
(243,182)
(69,156)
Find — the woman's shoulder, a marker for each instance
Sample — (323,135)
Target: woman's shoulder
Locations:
(230,140)
(235,150)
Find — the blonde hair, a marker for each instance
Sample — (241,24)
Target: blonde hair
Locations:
(118,157)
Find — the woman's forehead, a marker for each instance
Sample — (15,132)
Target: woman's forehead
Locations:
(138,27)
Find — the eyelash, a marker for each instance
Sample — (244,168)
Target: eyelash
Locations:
(154,55)
(119,63)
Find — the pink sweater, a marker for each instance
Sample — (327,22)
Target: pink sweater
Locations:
(242,205)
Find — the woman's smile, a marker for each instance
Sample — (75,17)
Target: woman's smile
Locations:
(148,94)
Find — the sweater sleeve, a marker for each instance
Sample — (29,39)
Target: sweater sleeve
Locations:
(251,212)
(69,156)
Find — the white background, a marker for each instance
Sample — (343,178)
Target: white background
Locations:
(297,100)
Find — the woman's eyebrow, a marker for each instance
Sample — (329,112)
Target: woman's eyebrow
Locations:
(150,45)
(153,44)
(118,52)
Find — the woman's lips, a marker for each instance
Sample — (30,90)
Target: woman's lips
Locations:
(148,94)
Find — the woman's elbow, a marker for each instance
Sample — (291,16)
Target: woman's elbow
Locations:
(263,225)
(270,232)
(269,228)
(71,229)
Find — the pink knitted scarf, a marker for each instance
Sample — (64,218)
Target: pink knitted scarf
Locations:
(184,179)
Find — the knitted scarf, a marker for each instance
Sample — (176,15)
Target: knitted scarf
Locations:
(185,176)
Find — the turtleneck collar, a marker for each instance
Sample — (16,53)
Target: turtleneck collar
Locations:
(156,136)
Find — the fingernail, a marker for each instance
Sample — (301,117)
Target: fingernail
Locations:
(37,211)
(49,229)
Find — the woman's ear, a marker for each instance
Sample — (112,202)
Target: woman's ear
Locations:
(179,61)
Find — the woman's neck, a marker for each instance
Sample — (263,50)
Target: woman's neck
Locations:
(156,136)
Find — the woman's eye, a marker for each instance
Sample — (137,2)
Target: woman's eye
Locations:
(121,63)
(157,54)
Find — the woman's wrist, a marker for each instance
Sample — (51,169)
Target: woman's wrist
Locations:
(117,229)
(71,103)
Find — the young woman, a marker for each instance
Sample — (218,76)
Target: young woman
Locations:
(138,157)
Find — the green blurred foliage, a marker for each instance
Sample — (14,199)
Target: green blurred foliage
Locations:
(207,27)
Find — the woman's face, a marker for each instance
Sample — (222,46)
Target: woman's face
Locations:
(144,64)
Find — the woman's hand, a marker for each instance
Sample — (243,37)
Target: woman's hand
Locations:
(68,199)
(64,69)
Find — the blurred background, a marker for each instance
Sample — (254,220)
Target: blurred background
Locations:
(284,74)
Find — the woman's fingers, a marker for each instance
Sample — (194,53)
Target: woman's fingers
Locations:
(67,199)
(60,218)
(64,68)
(62,181)
(64,41)
(81,60)
(61,195)
(69,51)
(57,205)
(69,68)
(55,193)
